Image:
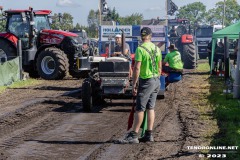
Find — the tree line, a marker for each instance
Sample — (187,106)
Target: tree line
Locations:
(196,12)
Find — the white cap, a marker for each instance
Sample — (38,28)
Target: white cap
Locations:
(118,36)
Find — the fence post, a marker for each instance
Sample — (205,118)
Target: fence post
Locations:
(19,51)
(236,88)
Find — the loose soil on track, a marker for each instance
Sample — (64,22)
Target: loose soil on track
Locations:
(47,122)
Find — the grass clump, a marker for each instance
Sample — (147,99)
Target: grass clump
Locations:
(20,84)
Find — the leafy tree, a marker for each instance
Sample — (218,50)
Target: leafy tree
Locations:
(112,15)
(232,8)
(2,23)
(67,21)
(93,23)
(194,12)
(77,26)
(212,16)
(134,19)
(66,24)
(55,21)
(93,20)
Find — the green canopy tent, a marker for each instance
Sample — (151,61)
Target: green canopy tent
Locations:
(232,32)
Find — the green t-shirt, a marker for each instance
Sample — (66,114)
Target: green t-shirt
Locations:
(174,60)
(147,70)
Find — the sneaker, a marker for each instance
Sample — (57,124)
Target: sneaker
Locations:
(130,138)
(148,137)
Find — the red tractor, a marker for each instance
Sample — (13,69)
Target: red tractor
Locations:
(47,53)
(180,34)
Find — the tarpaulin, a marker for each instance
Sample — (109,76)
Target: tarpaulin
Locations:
(9,72)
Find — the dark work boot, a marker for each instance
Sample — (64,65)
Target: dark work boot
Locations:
(148,137)
(130,138)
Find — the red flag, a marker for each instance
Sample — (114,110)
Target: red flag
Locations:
(131,117)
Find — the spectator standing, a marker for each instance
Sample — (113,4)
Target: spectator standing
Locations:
(147,70)
(219,55)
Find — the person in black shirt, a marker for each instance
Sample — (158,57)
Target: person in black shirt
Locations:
(219,55)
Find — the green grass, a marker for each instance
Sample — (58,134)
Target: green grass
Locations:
(227,113)
(203,67)
(20,84)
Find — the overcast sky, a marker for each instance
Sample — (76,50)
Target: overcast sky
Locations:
(79,9)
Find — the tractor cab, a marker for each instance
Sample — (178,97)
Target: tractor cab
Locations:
(177,28)
(25,24)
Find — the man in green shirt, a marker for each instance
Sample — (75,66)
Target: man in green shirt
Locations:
(173,58)
(147,70)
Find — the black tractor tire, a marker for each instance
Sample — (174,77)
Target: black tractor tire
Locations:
(87,98)
(52,64)
(91,95)
(189,57)
(9,49)
(11,53)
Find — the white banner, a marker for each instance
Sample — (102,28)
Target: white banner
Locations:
(107,31)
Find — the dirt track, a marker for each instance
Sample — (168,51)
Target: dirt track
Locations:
(47,122)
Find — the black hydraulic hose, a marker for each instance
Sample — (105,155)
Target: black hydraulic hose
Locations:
(31,37)
(123,43)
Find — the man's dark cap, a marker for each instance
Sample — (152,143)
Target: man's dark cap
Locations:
(172,47)
(145,31)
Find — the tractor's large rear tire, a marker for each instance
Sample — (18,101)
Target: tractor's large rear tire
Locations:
(52,64)
(7,49)
(189,57)
(87,98)
(10,51)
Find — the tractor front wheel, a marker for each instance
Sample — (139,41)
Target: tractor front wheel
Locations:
(7,50)
(87,98)
(52,64)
